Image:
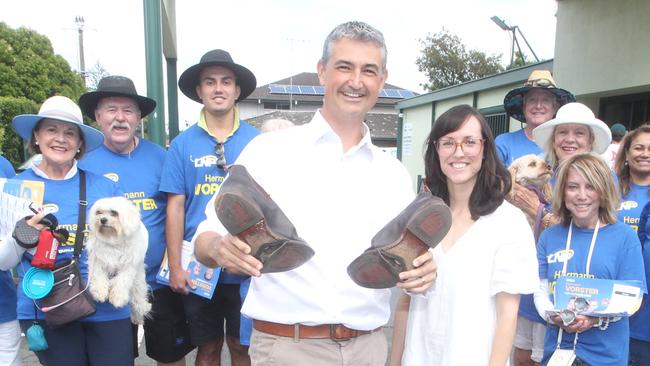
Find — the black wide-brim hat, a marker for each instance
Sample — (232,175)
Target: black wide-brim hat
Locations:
(115,86)
(190,78)
(538,79)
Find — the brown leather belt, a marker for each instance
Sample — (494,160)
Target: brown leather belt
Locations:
(337,332)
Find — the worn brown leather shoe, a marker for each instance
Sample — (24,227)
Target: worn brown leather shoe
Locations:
(249,213)
(420,226)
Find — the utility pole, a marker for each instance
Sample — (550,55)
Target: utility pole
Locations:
(80,29)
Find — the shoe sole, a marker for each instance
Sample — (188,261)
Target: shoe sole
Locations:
(380,267)
(243,219)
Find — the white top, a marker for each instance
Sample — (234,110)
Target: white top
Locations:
(455,324)
(610,154)
(337,201)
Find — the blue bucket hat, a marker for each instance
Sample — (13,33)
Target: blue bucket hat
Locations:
(538,79)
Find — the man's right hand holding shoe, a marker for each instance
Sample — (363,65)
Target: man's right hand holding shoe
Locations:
(227,252)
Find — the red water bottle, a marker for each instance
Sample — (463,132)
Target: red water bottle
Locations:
(46,250)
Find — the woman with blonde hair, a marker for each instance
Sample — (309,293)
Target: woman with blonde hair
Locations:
(588,242)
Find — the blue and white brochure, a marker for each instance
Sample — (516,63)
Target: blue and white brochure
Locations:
(604,298)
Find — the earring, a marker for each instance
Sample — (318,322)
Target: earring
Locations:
(78,150)
(36,142)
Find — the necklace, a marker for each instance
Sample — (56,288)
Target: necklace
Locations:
(135,144)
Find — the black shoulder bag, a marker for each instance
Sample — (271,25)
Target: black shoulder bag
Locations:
(69,299)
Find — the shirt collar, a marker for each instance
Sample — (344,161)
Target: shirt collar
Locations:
(204,125)
(71,173)
(321,132)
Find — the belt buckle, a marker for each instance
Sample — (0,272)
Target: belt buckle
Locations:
(337,331)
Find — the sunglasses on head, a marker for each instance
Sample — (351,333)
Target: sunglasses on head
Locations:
(221,155)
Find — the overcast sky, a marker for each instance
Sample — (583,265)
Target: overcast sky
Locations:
(278,38)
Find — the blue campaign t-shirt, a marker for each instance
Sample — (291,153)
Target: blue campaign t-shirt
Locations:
(617,256)
(632,204)
(61,198)
(513,145)
(138,175)
(639,322)
(6,169)
(7,286)
(191,169)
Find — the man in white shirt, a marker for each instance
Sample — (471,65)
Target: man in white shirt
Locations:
(339,190)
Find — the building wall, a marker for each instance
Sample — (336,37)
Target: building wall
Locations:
(601,46)
(415,130)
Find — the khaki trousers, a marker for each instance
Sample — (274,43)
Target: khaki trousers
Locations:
(366,350)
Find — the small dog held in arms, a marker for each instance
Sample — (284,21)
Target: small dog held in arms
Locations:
(532,172)
(116,248)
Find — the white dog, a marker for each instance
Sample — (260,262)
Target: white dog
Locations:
(116,249)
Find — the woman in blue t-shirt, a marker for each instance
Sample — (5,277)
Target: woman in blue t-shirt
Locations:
(590,243)
(58,133)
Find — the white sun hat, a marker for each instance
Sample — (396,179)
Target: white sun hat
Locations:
(575,113)
(59,108)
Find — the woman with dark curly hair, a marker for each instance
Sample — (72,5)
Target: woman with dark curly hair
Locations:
(484,263)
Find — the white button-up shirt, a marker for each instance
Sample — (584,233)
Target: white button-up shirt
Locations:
(337,201)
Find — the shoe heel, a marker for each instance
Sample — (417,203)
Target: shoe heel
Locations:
(431,224)
(283,256)
(376,269)
(236,213)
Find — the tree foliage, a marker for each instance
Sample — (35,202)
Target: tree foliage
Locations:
(446,61)
(30,72)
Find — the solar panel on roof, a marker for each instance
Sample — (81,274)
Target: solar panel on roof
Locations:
(320,90)
(392,93)
(406,93)
(382,94)
(277,89)
(307,89)
(295,89)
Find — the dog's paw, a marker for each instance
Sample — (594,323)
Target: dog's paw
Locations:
(118,297)
(139,312)
(98,291)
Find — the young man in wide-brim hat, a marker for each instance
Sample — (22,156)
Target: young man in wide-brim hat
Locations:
(194,169)
(136,165)
(534,103)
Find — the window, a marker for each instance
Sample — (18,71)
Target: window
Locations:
(276,105)
(498,123)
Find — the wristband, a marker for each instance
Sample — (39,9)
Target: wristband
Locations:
(26,236)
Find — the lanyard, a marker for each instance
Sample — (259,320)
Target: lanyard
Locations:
(566,255)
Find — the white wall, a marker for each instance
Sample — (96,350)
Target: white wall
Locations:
(415,130)
(602,45)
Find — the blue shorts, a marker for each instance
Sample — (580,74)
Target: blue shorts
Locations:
(106,343)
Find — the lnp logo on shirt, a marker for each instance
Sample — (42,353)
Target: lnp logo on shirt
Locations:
(628,205)
(205,161)
(113,176)
(559,256)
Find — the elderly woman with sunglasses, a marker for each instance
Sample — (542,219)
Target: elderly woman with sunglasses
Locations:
(589,242)
(484,263)
(58,133)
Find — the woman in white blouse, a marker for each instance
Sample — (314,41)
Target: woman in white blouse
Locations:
(484,263)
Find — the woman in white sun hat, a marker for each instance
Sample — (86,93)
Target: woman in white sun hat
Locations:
(59,134)
(575,129)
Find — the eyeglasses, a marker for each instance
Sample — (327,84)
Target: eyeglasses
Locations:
(221,155)
(471,146)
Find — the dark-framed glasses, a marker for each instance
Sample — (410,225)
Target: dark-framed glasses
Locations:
(471,146)
(221,155)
